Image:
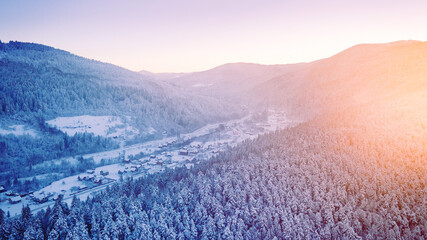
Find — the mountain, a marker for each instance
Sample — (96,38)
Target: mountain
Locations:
(354,169)
(362,74)
(161,76)
(37,79)
(228,81)
(359,75)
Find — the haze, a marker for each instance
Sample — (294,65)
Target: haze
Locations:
(185,36)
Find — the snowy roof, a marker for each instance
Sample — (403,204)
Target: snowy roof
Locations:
(39,196)
(16,199)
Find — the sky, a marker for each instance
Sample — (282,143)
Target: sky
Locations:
(187,36)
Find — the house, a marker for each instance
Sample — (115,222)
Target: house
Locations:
(23,194)
(183,152)
(90,171)
(2,189)
(10,193)
(40,197)
(15,200)
(152,156)
(89,177)
(194,151)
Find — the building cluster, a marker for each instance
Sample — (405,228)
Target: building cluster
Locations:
(92,177)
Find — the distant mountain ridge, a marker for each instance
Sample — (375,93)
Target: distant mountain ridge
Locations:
(162,76)
(360,74)
(231,81)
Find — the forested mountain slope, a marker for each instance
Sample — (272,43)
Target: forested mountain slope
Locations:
(40,79)
(330,178)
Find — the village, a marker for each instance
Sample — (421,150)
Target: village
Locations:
(142,160)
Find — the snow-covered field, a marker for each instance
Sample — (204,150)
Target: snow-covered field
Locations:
(18,130)
(105,126)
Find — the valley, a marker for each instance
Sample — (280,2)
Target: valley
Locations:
(330,149)
(141,160)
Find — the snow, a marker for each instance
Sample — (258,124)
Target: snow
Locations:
(105,126)
(18,130)
(235,131)
(196,144)
(151,131)
(16,199)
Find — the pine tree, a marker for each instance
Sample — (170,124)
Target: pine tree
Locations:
(53,235)
(95,230)
(78,232)
(34,231)
(1,216)
(61,226)
(18,229)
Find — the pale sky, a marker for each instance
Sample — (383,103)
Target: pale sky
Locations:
(186,36)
